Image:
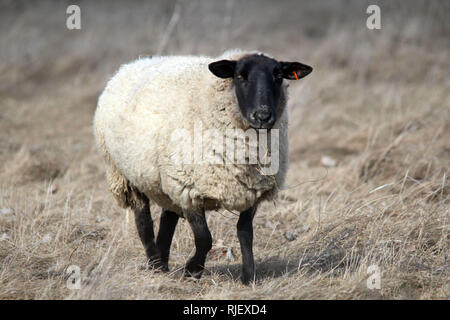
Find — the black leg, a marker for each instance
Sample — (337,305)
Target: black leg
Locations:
(167,225)
(245,236)
(203,243)
(144,224)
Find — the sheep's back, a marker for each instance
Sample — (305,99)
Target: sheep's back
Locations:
(139,109)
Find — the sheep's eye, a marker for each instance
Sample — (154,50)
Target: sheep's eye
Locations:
(241,76)
(277,74)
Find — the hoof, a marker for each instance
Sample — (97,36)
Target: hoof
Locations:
(155,264)
(193,270)
(247,278)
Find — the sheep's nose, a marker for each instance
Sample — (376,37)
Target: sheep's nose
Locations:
(262,115)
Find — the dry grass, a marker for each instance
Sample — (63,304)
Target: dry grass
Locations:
(377,103)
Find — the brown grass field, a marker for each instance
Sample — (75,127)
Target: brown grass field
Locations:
(369,137)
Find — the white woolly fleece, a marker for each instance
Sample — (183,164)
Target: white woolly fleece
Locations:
(141,106)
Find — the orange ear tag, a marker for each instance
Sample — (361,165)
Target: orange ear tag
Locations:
(295,74)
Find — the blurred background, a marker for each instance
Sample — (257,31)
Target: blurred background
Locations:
(52,76)
(369,135)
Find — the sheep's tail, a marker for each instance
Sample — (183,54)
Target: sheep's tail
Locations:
(118,185)
(124,193)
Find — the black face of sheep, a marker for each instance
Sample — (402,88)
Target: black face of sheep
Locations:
(257,81)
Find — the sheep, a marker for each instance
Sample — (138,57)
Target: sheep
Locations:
(147,101)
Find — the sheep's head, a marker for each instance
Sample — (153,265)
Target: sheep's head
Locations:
(257,80)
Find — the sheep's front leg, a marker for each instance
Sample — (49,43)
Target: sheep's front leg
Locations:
(203,243)
(168,222)
(144,224)
(245,236)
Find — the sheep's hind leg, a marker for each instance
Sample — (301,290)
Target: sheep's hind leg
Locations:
(203,243)
(168,222)
(144,224)
(245,236)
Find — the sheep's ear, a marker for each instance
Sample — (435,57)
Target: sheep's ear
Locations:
(295,70)
(223,68)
